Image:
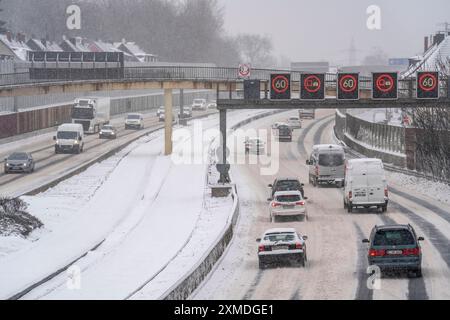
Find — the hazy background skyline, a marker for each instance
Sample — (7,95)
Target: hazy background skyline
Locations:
(305,30)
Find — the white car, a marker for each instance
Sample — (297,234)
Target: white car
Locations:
(281,244)
(288,204)
(162,117)
(255,146)
(294,123)
(134,121)
(160,110)
(199,104)
(212,105)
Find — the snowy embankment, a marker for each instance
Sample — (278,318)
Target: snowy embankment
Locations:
(137,204)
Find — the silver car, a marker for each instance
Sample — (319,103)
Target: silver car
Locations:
(281,244)
(20,162)
(288,204)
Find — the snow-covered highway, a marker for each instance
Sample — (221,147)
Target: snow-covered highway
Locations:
(337,258)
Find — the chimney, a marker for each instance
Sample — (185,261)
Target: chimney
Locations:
(73,41)
(124,41)
(44,42)
(425,44)
(9,35)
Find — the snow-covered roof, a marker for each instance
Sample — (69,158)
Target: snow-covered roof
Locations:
(49,46)
(429,61)
(20,49)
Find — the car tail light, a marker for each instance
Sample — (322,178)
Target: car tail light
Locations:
(261,248)
(298,246)
(300,203)
(350,194)
(275,204)
(411,252)
(377,253)
(386,192)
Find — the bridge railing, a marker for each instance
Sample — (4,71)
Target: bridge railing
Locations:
(42,74)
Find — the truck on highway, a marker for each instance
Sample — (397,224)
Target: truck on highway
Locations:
(92,113)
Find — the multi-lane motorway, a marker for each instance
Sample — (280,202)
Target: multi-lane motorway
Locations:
(337,259)
(50,166)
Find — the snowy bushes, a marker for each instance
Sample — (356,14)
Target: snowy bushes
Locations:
(432,143)
(14,219)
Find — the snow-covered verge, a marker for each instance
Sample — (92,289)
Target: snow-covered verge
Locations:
(436,190)
(195,259)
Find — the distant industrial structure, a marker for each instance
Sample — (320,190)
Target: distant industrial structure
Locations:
(317,66)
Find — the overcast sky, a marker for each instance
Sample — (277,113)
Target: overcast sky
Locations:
(311,30)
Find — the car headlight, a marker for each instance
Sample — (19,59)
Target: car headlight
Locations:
(75,142)
(7,164)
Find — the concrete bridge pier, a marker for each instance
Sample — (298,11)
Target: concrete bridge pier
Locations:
(168,104)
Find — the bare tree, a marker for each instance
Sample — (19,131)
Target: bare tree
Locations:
(256,50)
(433,133)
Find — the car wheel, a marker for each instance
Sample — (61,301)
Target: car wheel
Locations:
(418,273)
(302,262)
(262,265)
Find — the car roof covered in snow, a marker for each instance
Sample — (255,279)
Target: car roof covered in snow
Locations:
(288,193)
(333,147)
(70,127)
(280,230)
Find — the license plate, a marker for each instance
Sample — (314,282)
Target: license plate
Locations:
(394,252)
(288,207)
(360,194)
(280,248)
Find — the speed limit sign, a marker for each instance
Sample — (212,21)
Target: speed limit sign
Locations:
(427,85)
(348,86)
(244,71)
(280,86)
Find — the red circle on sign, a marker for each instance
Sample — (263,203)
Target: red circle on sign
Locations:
(428,75)
(281,89)
(348,77)
(311,87)
(382,80)
(244,70)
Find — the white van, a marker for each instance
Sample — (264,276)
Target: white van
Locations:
(365,185)
(327,165)
(69,138)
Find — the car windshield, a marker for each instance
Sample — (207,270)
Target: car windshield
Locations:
(331,160)
(18,156)
(285,185)
(108,128)
(293,119)
(69,135)
(199,101)
(288,198)
(134,116)
(399,237)
(276,237)
(284,130)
